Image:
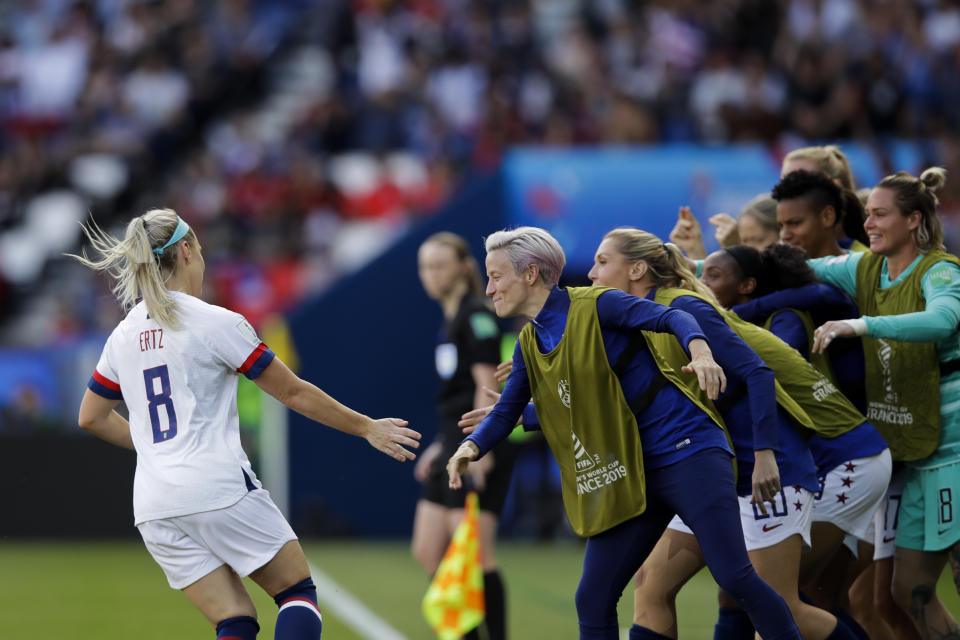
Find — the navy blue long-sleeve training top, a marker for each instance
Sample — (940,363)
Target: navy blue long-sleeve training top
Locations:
(824,302)
(754,421)
(671,428)
(861,441)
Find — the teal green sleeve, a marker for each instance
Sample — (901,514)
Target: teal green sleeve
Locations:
(941,289)
(840,271)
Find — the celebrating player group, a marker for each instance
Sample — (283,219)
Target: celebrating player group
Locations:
(783,411)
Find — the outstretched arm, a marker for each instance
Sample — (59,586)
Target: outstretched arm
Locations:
(619,310)
(389,435)
(938,321)
(808,297)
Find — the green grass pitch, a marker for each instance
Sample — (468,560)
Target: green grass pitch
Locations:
(113,590)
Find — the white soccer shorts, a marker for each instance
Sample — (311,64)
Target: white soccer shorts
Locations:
(851,493)
(791,512)
(883,529)
(245,536)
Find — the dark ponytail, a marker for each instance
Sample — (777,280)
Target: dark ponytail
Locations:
(783,267)
(853,216)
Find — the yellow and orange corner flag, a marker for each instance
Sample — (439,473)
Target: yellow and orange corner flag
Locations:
(454,603)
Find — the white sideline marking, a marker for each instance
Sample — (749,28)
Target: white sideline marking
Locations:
(354,613)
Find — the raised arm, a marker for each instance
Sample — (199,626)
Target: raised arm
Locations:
(687,234)
(389,435)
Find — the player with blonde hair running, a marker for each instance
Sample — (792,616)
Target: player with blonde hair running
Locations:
(175,360)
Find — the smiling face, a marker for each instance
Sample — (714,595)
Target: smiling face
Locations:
(887,228)
(723,276)
(508,289)
(610,267)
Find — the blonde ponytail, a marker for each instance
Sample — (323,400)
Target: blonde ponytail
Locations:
(136,270)
(665,262)
(829,160)
(917,194)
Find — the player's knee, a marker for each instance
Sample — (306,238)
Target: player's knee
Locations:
(425,555)
(904,588)
(914,596)
(588,603)
(736,583)
(725,601)
(650,591)
(860,597)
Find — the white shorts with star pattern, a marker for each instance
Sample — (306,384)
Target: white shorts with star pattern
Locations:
(788,514)
(851,492)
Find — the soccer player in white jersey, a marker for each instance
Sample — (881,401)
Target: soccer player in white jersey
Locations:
(174,360)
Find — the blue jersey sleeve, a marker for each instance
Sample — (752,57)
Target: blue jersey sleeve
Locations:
(531,422)
(840,271)
(501,420)
(940,319)
(788,326)
(734,355)
(621,311)
(814,296)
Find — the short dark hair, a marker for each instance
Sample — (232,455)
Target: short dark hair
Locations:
(777,267)
(816,188)
(820,191)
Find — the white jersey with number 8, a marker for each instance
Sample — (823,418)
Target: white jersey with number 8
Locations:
(180,388)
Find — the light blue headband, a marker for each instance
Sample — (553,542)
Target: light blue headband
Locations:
(178,233)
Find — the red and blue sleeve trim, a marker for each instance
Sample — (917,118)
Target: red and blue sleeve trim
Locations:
(257,361)
(103,386)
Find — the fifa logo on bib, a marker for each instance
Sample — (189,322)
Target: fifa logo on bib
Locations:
(580,455)
(883,354)
(563,389)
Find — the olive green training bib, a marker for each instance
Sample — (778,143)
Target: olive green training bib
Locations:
(902,378)
(803,392)
(819,360)
(587,421)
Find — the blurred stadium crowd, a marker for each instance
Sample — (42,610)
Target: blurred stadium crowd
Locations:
(301,136)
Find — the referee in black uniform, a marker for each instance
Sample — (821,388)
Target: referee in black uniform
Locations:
(467,354)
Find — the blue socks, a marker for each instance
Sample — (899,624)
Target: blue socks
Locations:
(239,628)
(642,633)
(299,617)
(733,624)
